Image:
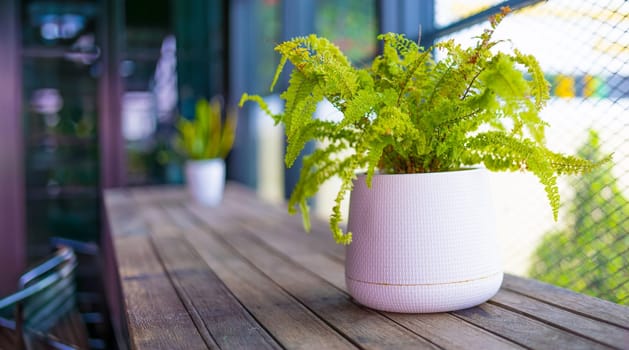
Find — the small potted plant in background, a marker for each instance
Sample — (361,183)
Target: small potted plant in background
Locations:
(206,141)
(413,132)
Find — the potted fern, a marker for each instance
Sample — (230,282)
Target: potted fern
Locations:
(408,147)
(206,141)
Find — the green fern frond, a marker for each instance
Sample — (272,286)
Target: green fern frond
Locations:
(504,79)
(261,103)
(399,43)
(305,215)
(539,85)
(572,165)
(397,125)
(373,158)
(298,94)
(358,108)
(499,152)
(549,180)
(316,169)
(278,71)
(418,62)
(335,219)
(407,114)
(318,58)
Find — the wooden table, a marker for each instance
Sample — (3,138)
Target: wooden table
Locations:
(245,275)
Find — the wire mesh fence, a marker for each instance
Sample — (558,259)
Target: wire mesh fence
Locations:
(583,49)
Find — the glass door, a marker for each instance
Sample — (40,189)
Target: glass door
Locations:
(61,68)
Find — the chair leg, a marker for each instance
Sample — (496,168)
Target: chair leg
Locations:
(19,327)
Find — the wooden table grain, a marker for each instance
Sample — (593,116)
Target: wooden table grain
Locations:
(244,275)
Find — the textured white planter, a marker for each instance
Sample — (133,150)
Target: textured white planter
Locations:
(206,180)
(423,242)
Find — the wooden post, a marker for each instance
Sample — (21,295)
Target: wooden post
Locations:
(112,156)
(12,203)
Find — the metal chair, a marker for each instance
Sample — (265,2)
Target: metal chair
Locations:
(91,301)
(44,308)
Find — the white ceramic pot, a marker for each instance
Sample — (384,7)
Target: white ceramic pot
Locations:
(423,242)
(206,180)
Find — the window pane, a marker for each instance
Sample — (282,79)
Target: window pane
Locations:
(351,24)
(267,34)
(60,72)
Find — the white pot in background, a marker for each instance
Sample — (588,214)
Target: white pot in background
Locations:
(206,180)
(423,242)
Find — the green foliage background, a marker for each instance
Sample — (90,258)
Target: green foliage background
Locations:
(591,255)
(351,24)
(207,136)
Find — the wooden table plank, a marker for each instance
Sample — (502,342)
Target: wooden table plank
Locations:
(297,247)
(599,309)
(367,328)
(523,330)
(263,217)
(156,222)
(122,214)
(291,324)
(162,194)
(593,329)
(245,275)
(157,317)
(212,306)
(442,329)
(449,332)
